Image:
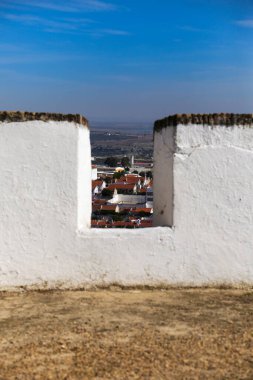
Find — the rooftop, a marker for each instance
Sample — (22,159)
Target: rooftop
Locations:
(121,186)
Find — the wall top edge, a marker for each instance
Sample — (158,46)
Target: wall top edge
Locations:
(23,116)
(226,119)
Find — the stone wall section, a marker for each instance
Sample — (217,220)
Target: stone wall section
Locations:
(203,206)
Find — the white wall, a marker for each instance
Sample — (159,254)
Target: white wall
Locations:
(94,174)
(45,204)
(213,202)
(163,185)
(83,173)
(45,196)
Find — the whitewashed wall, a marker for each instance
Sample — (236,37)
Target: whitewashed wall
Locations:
(203,177)
(211,200)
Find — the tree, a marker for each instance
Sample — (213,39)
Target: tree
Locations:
(108,180)
(125,162)
(149,174)
(135,172)
(111,161)
(142,174)
(117,175)
(107,193)
(118,218)
(144,214)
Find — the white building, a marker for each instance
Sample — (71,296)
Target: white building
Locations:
(149,197)
(94,172)
(128,201)
(98,186)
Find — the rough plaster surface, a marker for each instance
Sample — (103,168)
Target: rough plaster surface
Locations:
(205,179)
(39,174)
(213,204)
(164,149)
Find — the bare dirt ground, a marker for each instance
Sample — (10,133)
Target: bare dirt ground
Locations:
(129,334)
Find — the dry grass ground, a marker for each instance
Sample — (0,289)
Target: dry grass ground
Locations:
(172,334)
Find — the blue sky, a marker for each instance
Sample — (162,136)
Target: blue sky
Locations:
(130,60)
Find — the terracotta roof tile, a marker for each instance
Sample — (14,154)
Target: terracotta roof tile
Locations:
(143,209)
(108,207)
(117,186)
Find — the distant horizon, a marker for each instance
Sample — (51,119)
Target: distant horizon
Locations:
(100,122)
(123,122)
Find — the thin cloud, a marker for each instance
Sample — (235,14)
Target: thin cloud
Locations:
(48,23)
(65,25)
(26,4)
(61,6)
(245,23)
(98,5)
(115,32)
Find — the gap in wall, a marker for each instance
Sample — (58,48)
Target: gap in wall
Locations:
(122,178)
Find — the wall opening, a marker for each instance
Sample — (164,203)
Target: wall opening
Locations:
(133,189)
(122,178)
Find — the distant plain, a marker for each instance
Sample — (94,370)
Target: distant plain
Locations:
(120,139)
